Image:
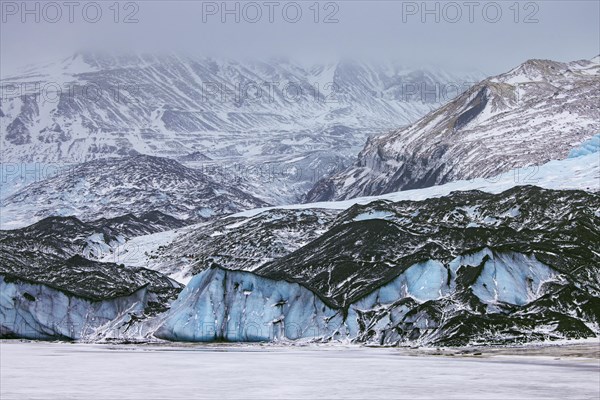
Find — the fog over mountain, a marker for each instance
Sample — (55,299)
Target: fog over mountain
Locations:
(492,38)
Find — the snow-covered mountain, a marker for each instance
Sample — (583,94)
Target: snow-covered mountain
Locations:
(109,188)
(175,105)
(262,120)
(534,113)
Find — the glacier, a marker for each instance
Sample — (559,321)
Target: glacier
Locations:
(497,286)
(588,147)
(512,278)
(222,305)
(240,306)
(581,172)
(38,311)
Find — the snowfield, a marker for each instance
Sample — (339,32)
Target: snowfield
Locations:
(76,371)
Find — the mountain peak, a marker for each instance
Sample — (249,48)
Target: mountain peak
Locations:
(547,107)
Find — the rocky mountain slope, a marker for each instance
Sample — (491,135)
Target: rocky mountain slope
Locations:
(235,243)
(534,113)
(67,236)
(112,188)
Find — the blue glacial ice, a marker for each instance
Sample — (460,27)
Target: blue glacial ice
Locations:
(241,306)
(37,311)
(227,305)
(588,147)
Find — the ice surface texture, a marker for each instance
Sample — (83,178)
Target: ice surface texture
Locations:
(37,311)
(239,306)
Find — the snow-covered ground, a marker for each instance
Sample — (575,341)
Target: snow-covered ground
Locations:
(75,371)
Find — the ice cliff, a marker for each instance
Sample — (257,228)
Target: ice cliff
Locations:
(38,311)
(235,306)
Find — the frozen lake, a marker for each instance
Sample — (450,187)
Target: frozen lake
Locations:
(91,371)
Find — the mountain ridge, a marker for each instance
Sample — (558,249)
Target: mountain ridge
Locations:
(501,123)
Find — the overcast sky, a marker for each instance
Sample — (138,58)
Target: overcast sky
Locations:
(464,37)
